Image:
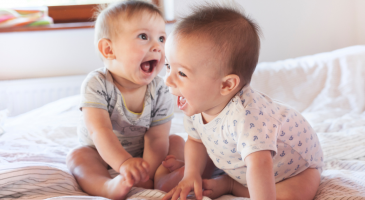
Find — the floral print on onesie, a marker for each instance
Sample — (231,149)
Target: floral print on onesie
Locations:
(252,122)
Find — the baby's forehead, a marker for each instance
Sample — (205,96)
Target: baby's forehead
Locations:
(145,14)
(201,44)
(138,20)
(198,48)
(197,41)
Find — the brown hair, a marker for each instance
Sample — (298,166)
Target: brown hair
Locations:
(107,16)
(234,35)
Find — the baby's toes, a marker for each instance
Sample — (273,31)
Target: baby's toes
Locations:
(207,193)
(170,157)
(207,187)
(172,164)
(207,184)
(214,188)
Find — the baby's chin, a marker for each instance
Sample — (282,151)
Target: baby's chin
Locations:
(190,113)
(144,81)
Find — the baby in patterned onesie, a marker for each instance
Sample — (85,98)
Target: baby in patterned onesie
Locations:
(126,108)
(266,148)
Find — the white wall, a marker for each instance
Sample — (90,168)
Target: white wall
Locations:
(47,53)
(291,28)
(360,21)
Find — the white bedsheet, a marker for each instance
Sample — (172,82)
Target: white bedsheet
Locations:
(329,89)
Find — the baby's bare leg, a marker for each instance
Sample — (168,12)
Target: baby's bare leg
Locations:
(91,173)
(167,178)
(221,185)
(302,186)
(164,179)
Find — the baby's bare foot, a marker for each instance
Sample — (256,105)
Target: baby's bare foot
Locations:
(117,188)
(171,163)
(214,188)
(168,181)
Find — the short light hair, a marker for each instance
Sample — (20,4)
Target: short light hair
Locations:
(107,16)
(234,36)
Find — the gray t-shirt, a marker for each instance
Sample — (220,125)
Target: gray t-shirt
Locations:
(99,91)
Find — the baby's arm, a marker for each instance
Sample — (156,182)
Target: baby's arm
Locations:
(156,146)
(196,158)
(101,131)
(259,175)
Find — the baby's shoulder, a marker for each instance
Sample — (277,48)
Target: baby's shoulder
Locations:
(100,74)
(157,82)
(98,80)
(250,99)
(158,88)
(252,104)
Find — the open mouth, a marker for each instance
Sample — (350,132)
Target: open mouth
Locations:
(148,66)
(181,102)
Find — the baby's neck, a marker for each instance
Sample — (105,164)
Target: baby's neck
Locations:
(126,86)
(132,94)
(213,112)
(133,97)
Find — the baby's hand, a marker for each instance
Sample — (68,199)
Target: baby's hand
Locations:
(184,187)
(135,170)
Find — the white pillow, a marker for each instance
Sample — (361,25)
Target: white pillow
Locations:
(330,80)
(3,116)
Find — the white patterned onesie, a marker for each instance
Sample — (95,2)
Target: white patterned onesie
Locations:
(252,122)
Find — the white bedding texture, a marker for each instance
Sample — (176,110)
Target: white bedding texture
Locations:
(328,88)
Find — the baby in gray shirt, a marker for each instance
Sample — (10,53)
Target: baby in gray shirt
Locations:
(99,91)
(126,108)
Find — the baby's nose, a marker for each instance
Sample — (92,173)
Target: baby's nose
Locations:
(156,48)
(168,80)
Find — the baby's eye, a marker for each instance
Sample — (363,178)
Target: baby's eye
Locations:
(143,36)
(182,74)
(162,39)
(167,66)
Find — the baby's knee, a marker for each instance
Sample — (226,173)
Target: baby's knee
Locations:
(288,195)
(176,140)
(77,155)
(302,186)
(168,182)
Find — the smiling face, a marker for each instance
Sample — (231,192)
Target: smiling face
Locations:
(193,76)
(137,50)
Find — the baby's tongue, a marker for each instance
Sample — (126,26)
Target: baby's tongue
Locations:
(145,66)
(182,100)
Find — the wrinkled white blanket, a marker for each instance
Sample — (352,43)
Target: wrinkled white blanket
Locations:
(328,88)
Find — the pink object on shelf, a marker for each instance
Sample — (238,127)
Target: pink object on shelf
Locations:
(6,17)
(27,16)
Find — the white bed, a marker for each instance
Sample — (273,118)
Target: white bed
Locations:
(328,88)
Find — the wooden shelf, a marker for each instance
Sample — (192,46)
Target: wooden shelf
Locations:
(76,25)
(61,26)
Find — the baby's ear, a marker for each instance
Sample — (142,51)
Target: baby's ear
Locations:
(229,84)
(105,49)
